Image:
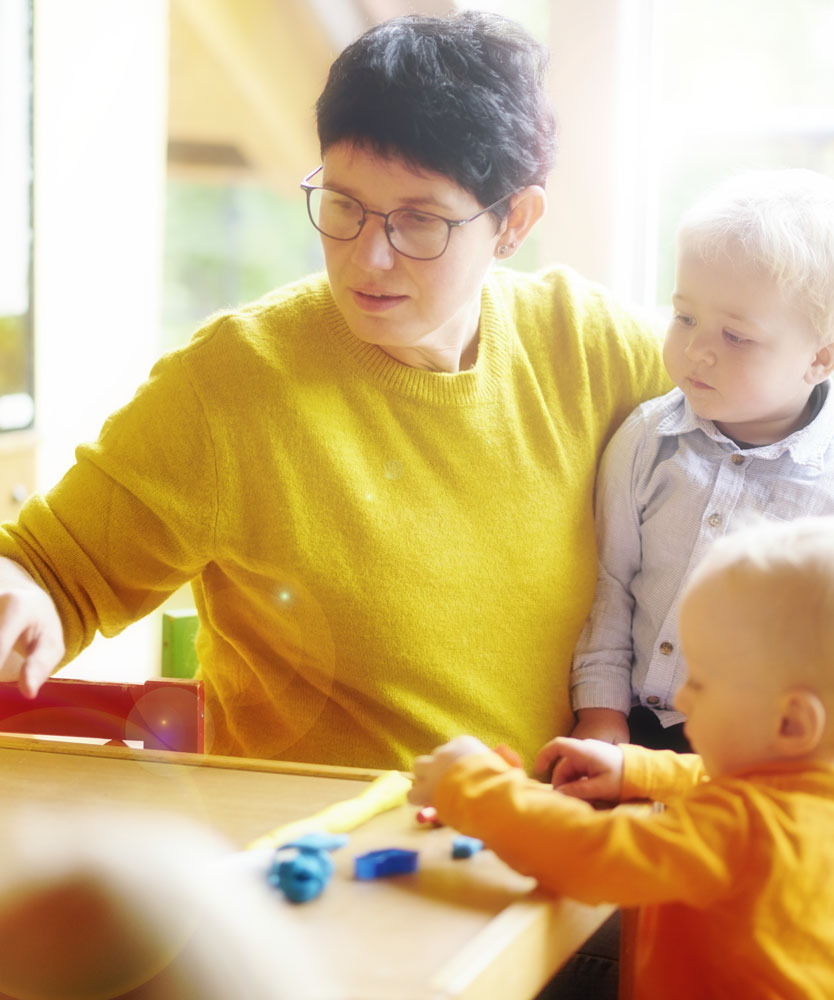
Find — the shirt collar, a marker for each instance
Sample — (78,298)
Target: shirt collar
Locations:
(807,446)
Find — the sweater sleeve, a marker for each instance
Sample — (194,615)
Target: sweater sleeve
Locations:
(631,857)
(659,775)
(132,520)
(602,662)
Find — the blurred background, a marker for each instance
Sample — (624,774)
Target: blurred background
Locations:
(151,153)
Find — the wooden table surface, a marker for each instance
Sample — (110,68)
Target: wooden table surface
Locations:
(470,929)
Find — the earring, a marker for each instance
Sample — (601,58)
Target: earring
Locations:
(503,249)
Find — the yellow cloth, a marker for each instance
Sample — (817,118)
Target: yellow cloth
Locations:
(735,877)
(383,557)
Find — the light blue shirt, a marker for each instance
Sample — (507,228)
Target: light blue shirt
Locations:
(669,484)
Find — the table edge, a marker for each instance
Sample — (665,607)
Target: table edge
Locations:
(12,742)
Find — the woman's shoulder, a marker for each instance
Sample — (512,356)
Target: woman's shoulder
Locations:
(255,342)
(558,298)
(266,334)
(575,321)
(299,304)
(557,283)
(587,346)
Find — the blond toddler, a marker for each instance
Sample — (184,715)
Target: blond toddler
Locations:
(734,877)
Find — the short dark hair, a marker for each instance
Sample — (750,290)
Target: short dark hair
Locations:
(462,95)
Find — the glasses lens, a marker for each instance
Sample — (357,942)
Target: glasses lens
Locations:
(418,234)
(336,215)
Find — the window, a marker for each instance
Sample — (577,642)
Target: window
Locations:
(243,79)
(741,84)
(226,243)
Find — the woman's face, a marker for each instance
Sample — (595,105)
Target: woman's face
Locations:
(422,312)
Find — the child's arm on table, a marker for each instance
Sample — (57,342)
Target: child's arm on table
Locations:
(585,768)
(660,775)
(430,768)
(626,858)
(595,771)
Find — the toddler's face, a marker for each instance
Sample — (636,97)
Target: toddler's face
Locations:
(730,697)
(743,354)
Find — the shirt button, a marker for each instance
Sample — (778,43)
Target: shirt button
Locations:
(666,648)
(715,520)
(653,699)
(737,459)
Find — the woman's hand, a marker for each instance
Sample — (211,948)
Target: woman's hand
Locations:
(430,768)
(586,769)
(31,636)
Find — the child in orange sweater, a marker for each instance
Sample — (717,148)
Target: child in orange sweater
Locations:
(734,876)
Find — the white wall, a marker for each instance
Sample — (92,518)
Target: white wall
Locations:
(100,87)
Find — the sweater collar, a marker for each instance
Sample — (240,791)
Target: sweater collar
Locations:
(477,384)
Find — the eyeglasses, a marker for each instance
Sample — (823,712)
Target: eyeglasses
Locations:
(412,233)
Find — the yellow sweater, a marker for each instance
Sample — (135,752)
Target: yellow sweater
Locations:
(382,557)
(736,877)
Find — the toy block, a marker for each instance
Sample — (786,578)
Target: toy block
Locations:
(465,847)
(384,863)
(428,815)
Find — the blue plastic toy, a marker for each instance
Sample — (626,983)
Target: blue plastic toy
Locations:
(381,864)
(303,876)
(465,847)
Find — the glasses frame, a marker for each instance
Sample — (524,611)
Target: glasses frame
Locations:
(451,224)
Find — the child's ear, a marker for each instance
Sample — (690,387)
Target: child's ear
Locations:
(822,365)
(802,722)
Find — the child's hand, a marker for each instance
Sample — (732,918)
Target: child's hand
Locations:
(429,769)
(586,769)
(605,724)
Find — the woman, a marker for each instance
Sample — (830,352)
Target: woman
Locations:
(378,482)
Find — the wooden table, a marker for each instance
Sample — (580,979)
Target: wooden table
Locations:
(470,929)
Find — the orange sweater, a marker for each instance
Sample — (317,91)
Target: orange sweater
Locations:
(735,877)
